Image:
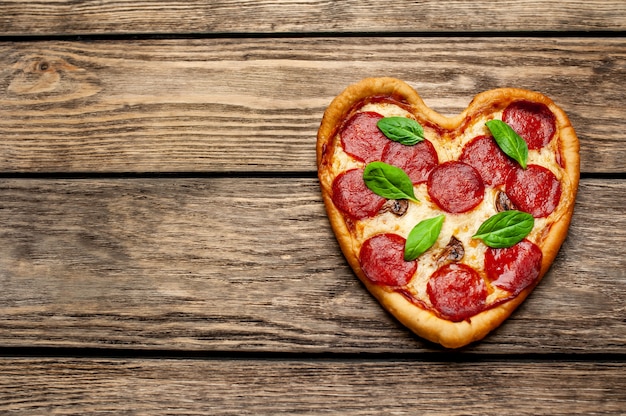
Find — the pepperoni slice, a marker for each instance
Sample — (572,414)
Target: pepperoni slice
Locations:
(361,138)
(417,160)
(455,187)
(353,197)
(534,190)
(514,268)
(457,292)
(534,122)
(382,260)
(484,155)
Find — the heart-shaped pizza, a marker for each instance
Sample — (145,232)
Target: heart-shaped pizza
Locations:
(449,222)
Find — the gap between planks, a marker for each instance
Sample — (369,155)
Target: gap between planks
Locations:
(442,356)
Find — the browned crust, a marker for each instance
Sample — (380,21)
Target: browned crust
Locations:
(423,322)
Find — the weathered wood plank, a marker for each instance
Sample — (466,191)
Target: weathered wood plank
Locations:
(252,265)
(191,105)
(236,387)
(278,16)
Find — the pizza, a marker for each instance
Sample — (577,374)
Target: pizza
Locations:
(450,222)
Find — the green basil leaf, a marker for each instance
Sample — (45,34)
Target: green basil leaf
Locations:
(509,141)
(388,181)
(401,129)
(422,237)
(505,229)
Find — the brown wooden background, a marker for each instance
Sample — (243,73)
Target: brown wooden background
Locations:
(164,247)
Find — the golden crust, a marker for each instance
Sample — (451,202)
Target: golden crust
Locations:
(421,321)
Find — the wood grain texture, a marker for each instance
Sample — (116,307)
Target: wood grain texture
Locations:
(201,105)
(238,264)
(66,17)
(222,290)
(308,387)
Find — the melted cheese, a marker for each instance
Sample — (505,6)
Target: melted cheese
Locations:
(462,226)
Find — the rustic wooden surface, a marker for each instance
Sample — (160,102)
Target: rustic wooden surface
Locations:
(186,105)
(63,17)
(164,247)
(310,387)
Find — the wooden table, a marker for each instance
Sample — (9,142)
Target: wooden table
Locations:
(163,243)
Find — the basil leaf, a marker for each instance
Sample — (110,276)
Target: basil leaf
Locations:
(422,237)
(505,229)
(509,141)
(388,181)
(401,129)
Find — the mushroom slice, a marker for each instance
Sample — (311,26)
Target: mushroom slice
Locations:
(453,251)
(397,207)
(503,203)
